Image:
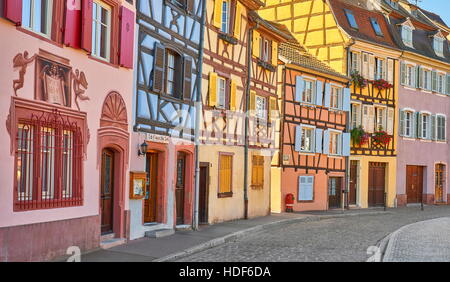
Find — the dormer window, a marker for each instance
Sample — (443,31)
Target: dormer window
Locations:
(438,45)
(407,35)
(351,19)
(392,3)
(376,27)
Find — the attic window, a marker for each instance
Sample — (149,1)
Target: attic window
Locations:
(376,27)
(392,3)
(407,35)
(438,45)
(351,19)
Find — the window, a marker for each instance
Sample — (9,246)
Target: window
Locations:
(225,27)
(258,172)
(37,16)
(356,115)
(221,93)
(101,30)
(424,126)
(438,45)
(355,62)
(380,68)
(376,27)
(440,86)
(336,97)
(380,119)
(308,92)
(408,124)
(225,174)
(351,19)
(441,127)
(426,79)
(307,141)
(306,188)
(408,73)
(173,74)
(265,50)
(407,35)
(335,143)
(261,107)
(56,151)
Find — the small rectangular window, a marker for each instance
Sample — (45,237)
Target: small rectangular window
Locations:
(308,92)
(225,28)
(336,97)
(376,27)
(221,93)
(306,188)
(408,124)
(307,142)
(407,35)
(37,16)
(261,107)
(351,19)
(335,143)
(101,30)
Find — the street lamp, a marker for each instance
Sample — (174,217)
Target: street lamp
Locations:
(142,149)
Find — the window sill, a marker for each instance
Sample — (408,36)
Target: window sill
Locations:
(227,38)
(305,201)
(257,186)
(266,65)
(103,61)
(307,153)
(225,195)
(39,36)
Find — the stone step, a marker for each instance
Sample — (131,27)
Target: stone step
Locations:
(159,233)
(108,236)
(113,242)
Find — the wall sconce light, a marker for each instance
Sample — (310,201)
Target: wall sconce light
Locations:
(142,149)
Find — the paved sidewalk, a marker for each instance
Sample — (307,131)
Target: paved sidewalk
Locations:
(184,243)
(425,241)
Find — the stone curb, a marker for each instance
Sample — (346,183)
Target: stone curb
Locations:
(242,233)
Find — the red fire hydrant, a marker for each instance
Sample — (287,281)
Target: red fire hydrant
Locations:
(289,201)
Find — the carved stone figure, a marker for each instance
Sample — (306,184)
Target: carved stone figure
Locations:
(79,79)
(21,61)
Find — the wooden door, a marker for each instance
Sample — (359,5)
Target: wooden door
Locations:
(440,181)
(151,193)
(180,185)
(377,182)
(203,195)
(414,183)
(334,192)
(353,182)
(107,191)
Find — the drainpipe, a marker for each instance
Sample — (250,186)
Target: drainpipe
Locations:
(198,111)
(247,98)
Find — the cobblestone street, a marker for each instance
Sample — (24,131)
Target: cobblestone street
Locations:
(336,239)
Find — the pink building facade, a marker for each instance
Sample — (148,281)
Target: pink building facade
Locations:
(65,85)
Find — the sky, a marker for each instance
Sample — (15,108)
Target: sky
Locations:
(440,7)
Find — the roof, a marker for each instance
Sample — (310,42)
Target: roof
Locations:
(433,17)
(363,11)
(276,28)
(297,55)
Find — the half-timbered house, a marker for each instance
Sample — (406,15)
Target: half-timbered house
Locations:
(168,43)
(66,102)
(239,75)
(314,142)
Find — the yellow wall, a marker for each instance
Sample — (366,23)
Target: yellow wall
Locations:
(275,196)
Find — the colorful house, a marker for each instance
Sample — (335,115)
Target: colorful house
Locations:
(354,39)
(166,69)
(423,153)
(314,143)
(239,74)
(66,103)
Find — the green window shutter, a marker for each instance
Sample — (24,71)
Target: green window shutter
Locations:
(433,81)
(403,73)
(402,123)
(432,128)
(418,77)
(448,85)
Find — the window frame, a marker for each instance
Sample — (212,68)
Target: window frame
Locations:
(407,35)
(438,46)
(444,127)
(339,97)
(307,81)
(338,142)
(356,120)
(261,113)
(375,24)
(312,144)
(426,122)
(49,20)
(351,19)
(411,123)
(101,4)
(226,90)
(300,187)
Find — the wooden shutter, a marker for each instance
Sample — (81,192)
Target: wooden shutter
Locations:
(158,67)
(448,85)
(371,119)
(371,67)
(390,121)
(225,167)
(346,99)
(419,125)
(434,81)
(390,70)
(190,6)
(414,125)
(217,20)
(432,128)
(417,76)
(72,25)
(273,108)
(346,144)
(318,140)
(365,65)
(327,97)
(233,89)
(402,73)
(187,78)
(326,142)
(258,171)
(12,10)
(86,25)
(319,92)
(238,20)
(274,53)
(298,138)
(402,125)
(256,44)
(212,89)
(299,88)
(126,37)
(252,102)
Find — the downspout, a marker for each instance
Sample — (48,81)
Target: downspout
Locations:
(347,129)
(198,111)
(247,99)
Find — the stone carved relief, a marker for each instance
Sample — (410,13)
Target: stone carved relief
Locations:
(53,83)
(79,79)
(114,112)
(21,61)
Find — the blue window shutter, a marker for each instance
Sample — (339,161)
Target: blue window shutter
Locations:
(305,188)
(298,138)
(319,92)
(346,144)
(299,88)
(309,188)
(318,140)
(346,100)
(326,142)
(327,97)
(301,184)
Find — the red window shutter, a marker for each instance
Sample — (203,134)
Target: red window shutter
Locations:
(72,25)
(126,37)
(13,11)
(86,25)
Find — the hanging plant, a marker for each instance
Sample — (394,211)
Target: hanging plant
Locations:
(382,84)
(381,137)
(358,136)
(358,79)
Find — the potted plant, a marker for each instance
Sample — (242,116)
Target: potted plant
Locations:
(381,137)
(359,136)
(358,79)
(382,84)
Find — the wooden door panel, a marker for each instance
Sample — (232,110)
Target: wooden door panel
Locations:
(377,180)
(180,185)
(334,192)
(203,195)
(106,191)
(150,200)
(353,182)
(414,184)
